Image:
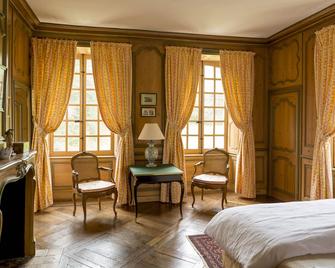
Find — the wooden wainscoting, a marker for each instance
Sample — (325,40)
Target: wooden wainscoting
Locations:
(284,145)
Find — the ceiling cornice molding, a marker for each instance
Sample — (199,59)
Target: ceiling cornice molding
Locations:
(87,31)
(26,12)
(316,18)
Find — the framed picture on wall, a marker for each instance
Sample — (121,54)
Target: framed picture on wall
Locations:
(148,111)
(149,99)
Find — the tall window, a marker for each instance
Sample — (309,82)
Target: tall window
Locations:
(82,128)
(208,123)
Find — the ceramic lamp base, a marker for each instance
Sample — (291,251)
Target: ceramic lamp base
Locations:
(151,154)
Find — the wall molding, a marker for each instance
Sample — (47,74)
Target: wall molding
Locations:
(26,13)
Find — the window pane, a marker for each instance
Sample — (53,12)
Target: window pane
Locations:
(184,131)
(192,142)
(91,128)
(209,114)
(73,128)
(208,142)
(76,81)
(91,143)
(73,112)
(209,71)
(219,141)
(75,97)
(103,129)
(184,142)
(219,127)
(208,128)
(193,128)
(77,66)
(217,72)
(60,130)
(73,144)
(89,66)
(209,99)
(196,103)
(89,81)
(59,144)
(209,85)
(218,86)
(92,113)
(219,113)
(105,143)
(195,114)
(219,100)
(91,97)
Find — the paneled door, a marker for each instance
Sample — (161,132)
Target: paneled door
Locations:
(284,130)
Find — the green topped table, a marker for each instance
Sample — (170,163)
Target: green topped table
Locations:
(152,175)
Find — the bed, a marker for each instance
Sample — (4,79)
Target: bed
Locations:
(283,235)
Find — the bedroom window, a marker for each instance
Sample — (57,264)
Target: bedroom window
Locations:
(82,128)
(208,123)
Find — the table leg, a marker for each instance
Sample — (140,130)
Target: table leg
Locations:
(130,188)
(181,197)
(135,195)
(170,195)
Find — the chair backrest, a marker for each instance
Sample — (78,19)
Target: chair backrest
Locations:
(86,164)
(216,161)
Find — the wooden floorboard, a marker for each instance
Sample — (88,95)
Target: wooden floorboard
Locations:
(156,239)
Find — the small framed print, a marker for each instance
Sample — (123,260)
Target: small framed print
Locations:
(148,111)
(149,99)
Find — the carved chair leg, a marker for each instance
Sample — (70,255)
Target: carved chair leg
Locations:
(192,190)
(99,203)
(223,198)
(83,201)
(225,194)
(74,203)
(202,194)
(115,199)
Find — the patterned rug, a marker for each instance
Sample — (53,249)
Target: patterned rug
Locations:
(208,249)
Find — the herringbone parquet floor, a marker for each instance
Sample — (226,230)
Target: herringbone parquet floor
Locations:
(157,239)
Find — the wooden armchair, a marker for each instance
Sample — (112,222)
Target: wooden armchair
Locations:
(87,182)
(214,175)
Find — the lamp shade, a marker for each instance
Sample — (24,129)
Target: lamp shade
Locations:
(151,131)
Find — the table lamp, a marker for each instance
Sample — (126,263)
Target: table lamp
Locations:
(151,132)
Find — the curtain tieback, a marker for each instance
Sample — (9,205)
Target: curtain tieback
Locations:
(173,125)
(125,131)
(40,130)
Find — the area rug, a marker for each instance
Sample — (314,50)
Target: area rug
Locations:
(208,250)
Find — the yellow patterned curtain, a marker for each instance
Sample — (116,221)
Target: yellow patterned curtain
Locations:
(237,70)
(52,74)
(182,73)
(112,69)
(324,68)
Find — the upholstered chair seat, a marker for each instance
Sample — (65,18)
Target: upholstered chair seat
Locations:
(95,186)
(214,173)
(211,179)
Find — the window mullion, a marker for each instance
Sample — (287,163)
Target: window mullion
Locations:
(82,104)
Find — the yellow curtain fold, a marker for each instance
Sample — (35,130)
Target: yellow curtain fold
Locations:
(324,69)
(52,74)
(182,73)
(112,69)
(237,71)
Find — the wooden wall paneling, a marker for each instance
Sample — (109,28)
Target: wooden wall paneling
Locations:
(306,174)
(21,112)
(21,49)
(261,172)
(284,144)
(286,62)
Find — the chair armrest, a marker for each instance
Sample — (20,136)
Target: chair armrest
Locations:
(196,165)
(75,176)
(108,169)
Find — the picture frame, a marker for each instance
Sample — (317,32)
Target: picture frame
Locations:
(148,99)
(148,111)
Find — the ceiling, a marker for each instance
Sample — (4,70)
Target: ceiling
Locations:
(244,18)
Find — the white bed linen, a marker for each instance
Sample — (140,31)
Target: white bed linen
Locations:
(264,235)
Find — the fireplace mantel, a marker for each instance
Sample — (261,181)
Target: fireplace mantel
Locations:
(17,186)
